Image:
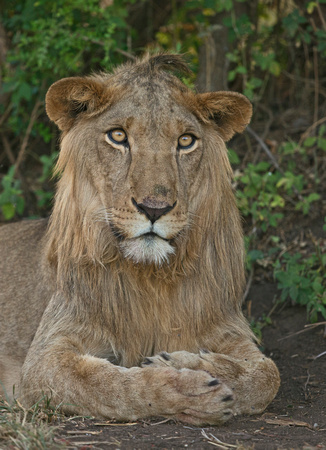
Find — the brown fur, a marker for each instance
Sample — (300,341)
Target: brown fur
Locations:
(111,298)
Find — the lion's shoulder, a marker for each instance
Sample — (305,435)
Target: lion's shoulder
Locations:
(26,231)
(21,244)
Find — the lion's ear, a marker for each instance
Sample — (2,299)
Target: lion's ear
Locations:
(231,111)
(69,97)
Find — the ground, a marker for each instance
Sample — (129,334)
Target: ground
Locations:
(296,419)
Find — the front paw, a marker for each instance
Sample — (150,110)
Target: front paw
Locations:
(178,360)
(217,365)
(191,396)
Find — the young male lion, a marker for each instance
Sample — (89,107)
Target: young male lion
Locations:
(143,255)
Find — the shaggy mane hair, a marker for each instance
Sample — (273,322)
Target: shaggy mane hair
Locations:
(206,273)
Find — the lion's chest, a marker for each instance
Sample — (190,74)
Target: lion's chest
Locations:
(139,328)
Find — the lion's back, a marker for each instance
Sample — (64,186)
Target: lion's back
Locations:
(24,287)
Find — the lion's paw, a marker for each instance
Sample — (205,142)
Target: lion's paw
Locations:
(212,406)
(178,360)
(217,365)
(194,396)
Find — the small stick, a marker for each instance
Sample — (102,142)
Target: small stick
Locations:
(316,105)
(265,148)
(271,157)
(311,128)
(248,286)
(27,134)
(320,354)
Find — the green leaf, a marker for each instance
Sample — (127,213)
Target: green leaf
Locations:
(310,141)
(233,157)
(253,255)
(8,211)
(20,205)
(321,143)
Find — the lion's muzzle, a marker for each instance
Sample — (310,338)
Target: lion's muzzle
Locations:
(153,209)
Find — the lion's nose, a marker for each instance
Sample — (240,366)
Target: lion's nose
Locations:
(151,212)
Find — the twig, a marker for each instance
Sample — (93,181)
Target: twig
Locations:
(215,441)
(12,161)
(6,114)
(265,148)
(307,381)
(314,325)
(126,54)
(271,157)
(308,327)
(303,79)
(27,134)
(103,44)
(320,13)
(91,443)
(248,286)
(8,150)
(320,354)
(315,53)
(159,423)
(109,424)
(310,129)
(269,120)
(266,129)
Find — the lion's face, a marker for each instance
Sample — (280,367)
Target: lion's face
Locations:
(144,147)
(149,161)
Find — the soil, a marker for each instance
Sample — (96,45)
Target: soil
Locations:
(296,419)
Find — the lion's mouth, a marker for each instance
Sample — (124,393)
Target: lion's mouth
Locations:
(151,235)
(146,248)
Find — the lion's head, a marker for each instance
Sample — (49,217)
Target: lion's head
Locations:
(145,173)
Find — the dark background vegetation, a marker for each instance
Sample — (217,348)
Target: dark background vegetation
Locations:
(273,51)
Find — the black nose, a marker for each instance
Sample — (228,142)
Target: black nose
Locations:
(152,213)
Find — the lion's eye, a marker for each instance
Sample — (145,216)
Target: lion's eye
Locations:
(118,136)
(186,141)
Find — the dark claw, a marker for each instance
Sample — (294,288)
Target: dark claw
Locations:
(213,382)
(204,350)
(165,356)
(227,398)
(147,361)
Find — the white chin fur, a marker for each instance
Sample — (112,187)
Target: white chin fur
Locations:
(147,250)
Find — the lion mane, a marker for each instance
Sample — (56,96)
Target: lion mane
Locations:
(210,252)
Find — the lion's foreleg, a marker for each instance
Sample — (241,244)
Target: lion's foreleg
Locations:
(88,385)
(253,378)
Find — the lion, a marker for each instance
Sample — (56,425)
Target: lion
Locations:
(126,303)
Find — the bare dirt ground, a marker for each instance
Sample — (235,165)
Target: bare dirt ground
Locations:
(296,419)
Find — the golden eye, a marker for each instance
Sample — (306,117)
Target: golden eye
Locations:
(186,141)
(118,136)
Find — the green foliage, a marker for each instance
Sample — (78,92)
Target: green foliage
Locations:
(48,164)
(265,194)
(258,325)
(53,40)
(265,197)
(11,198)
(259,196)
(44,197)
(303,280)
